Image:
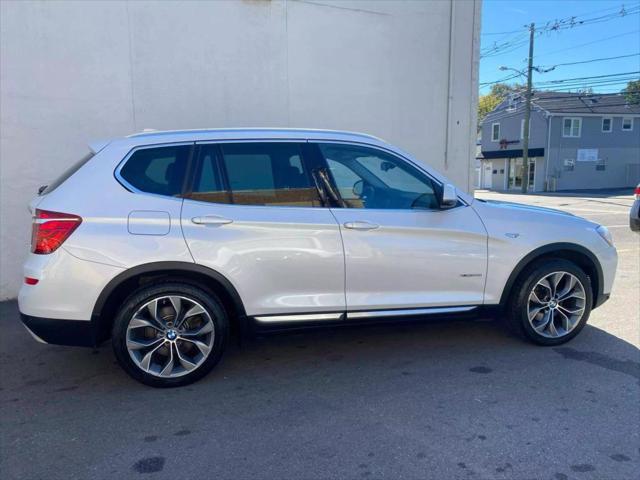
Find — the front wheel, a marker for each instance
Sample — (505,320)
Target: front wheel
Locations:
(170,334)
(551,302)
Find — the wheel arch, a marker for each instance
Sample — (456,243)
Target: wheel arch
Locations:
(578,254)
(122,285)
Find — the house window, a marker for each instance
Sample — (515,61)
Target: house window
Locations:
(495,132)
(627,124)
(522,128)
(571,127)
(601,164)
(607,124)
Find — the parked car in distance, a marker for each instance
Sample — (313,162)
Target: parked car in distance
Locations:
(167,241)
(634,214)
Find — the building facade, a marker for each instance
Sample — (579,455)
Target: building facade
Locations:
(577,142)
(72,72)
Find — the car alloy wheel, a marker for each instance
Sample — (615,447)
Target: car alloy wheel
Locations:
(556,304)
(170,336)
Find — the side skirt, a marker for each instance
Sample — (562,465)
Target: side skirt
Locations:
(303,321)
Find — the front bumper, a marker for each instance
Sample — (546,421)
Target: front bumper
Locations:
(77,333)
(603,297)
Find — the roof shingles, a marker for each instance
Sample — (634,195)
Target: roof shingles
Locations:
(575,103)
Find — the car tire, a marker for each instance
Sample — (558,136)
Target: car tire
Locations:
(154,350)
(550,302)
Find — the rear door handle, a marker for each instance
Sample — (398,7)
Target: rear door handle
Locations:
(211,220)
(360,226)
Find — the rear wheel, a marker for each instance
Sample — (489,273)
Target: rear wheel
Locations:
(550,303)
(170,334)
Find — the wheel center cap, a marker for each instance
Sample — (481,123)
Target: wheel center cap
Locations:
(172,334)
(553,303)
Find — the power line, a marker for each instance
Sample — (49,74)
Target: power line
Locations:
(585,83)
(509,49)
(608,9)
(588,43)
(577,82)
(594,76)
(556,25)
(501,80)
(568,95)
(589,107)
(591,61)
(620,12)
(502,33)
(516,41)
(575,21)
(579,86)
(583,86)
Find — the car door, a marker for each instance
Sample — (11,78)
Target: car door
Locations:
(253,214)
(402,251)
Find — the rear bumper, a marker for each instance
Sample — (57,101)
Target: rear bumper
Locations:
(77,333)
(67,287)
(634,216)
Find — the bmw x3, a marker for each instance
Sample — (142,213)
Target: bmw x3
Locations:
(165,242)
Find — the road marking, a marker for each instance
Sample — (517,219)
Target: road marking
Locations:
(616,226)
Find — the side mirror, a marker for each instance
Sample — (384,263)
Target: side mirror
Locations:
(358,188)
(449,196)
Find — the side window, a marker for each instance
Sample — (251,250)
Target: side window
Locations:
(370,178)
(571,127)
(495,132)
(158,170)
(269,174)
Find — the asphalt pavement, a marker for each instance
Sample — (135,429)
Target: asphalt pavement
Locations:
(455,400)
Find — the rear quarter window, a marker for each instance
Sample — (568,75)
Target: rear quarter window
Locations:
(158,170)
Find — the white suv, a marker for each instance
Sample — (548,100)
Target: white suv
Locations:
(166,241)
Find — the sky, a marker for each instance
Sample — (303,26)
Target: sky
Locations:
(564,46)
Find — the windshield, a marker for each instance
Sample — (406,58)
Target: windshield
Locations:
(66,174)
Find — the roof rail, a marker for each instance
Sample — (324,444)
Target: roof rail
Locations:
(149,132)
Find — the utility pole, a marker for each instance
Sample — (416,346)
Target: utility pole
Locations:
(527,115)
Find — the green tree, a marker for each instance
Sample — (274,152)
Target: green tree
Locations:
(501,90)
(632,92)
(486,103)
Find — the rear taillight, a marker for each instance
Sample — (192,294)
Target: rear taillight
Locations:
(636,192)
(51,229)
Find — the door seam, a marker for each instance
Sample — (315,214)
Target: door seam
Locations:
(344,260)
(193,259)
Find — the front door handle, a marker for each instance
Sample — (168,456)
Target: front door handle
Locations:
(360,226)
(211,220)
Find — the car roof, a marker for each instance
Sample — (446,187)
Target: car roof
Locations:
(153,136)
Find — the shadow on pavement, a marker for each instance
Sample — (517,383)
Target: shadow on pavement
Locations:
(428,400)
(381,348)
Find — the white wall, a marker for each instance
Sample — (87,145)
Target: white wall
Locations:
(71,72)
